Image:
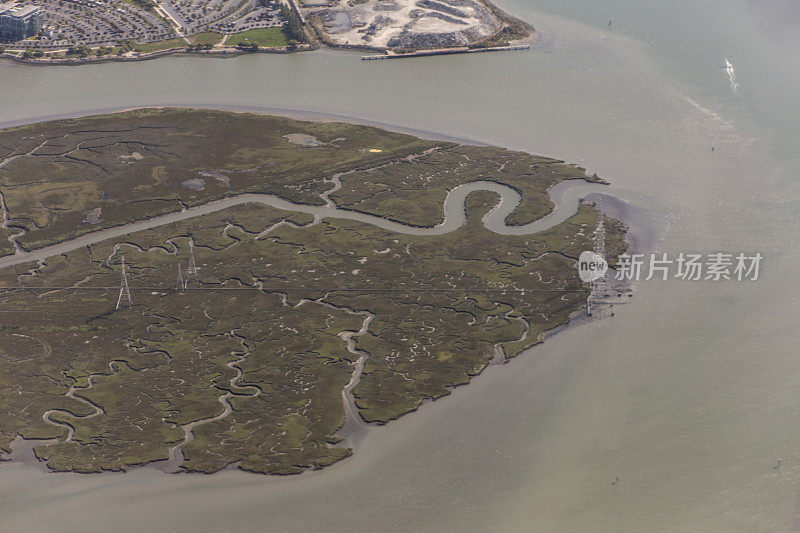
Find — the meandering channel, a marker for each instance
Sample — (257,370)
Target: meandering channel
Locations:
(176,456)
(566,197)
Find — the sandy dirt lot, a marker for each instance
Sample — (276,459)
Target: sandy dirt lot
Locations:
(405,23)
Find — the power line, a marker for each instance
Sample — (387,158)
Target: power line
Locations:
(281,289)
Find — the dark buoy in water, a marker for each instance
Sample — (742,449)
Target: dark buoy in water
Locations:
(609,23)
(778,465)
(713,148)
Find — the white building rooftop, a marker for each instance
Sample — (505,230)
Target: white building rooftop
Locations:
(16,10)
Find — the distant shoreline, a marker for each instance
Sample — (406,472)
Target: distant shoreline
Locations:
(223,52)
(527,37)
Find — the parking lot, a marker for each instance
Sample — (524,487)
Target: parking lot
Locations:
(110,22)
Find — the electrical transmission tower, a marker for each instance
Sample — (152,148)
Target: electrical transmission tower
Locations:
(124,289)
(191,272)
(599,288)
(181,284)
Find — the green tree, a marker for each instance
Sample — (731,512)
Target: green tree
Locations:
(294,28)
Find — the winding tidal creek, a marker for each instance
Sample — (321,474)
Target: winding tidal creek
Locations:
(566,197)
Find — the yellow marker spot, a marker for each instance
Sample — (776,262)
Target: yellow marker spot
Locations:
(375,150)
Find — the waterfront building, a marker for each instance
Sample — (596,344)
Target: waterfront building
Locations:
(20,21)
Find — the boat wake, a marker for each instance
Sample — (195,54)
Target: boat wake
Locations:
(731,75)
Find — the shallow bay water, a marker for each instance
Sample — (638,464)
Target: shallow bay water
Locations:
(689,394)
